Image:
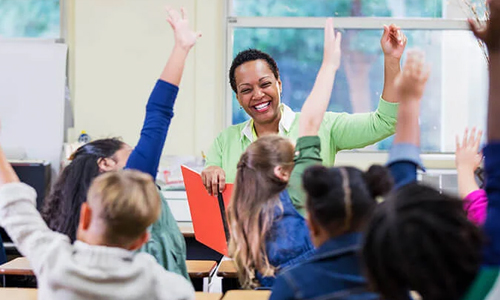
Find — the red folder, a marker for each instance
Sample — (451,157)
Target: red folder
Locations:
(208,213)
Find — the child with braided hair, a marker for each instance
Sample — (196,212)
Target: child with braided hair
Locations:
(420,239)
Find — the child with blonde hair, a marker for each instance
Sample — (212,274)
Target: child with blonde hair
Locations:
(102,263)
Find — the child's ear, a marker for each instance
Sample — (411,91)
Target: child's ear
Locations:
(143,239)
(106,164)
(85,216)
(282,173)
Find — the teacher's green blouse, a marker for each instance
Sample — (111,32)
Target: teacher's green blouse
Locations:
(338,131)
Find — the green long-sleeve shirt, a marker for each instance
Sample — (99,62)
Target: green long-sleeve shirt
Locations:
(338,131)
(307,154)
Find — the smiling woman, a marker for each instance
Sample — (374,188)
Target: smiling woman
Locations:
(255,79)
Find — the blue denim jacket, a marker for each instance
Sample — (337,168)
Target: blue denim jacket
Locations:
(332,272)
(288,242)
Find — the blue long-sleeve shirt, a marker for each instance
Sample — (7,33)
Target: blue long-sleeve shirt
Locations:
(159,112)
(167,243)
(404,160)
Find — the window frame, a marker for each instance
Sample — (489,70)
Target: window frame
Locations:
(454,19)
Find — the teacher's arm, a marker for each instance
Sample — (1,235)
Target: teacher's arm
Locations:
(393,43)
(351,131)
(360,130)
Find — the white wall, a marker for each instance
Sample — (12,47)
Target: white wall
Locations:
(118,49)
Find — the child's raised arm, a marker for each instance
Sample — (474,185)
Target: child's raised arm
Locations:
(410,85)
(468,158)
(316,104)
(490,34)
(404,157)
(21,220)
(185,38)
(160,107)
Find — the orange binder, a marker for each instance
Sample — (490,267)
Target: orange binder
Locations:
(208,213)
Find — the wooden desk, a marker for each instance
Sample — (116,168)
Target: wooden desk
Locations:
(227,269)
(21,294)
(18,266)
(21,266)
(31,294)
(200,268)
(207,296)
(246,295)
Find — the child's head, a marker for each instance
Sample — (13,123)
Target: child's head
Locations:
(339,200)
(62,208)
(120,207)
(421,240)
(263,173)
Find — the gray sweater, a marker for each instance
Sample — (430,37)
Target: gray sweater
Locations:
(80,270)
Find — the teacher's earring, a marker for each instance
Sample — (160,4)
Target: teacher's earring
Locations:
(241,107)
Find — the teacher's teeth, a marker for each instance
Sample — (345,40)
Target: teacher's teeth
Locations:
(263,105)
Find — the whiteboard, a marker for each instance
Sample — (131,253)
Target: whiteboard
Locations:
(32,98)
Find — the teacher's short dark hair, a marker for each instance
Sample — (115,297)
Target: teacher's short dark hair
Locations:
(251,55)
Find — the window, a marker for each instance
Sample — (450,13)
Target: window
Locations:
(338,8)
(291,32)
(30,18)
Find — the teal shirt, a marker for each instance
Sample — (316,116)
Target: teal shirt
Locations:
(338,131)
(167,243)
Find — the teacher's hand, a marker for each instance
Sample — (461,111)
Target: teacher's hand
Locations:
(214,179)
(393,41)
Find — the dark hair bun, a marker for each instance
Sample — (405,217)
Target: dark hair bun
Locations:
(316,181)
(379,180)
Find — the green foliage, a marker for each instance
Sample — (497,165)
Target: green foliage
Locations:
(29,18)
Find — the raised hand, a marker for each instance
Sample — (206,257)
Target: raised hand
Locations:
(489,33)
(410,83)
(332,52)
(315,106)
(467,155)
(185,37)
(393,41)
